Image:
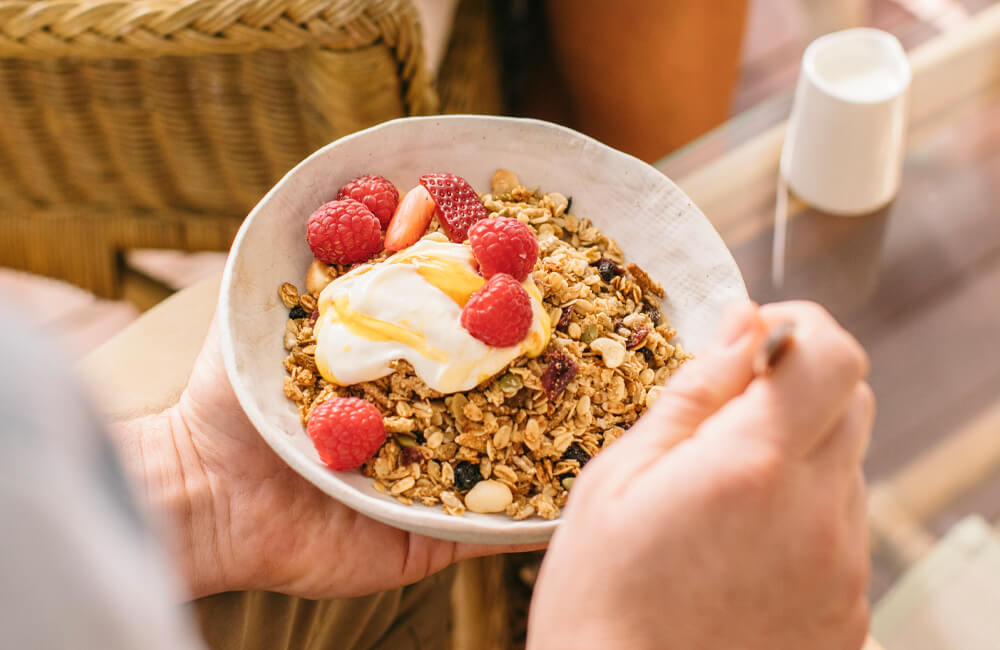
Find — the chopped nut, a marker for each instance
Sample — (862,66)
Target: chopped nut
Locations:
(611,351)
(318,275)
(488,496)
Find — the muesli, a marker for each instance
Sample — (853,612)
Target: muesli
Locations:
(594,353)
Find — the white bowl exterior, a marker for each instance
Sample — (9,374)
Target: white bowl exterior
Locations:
(656,225)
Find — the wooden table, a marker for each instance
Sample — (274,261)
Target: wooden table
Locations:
(918,283)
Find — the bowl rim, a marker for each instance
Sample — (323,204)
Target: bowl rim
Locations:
(497,528)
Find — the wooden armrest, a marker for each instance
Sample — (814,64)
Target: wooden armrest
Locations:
(144,368)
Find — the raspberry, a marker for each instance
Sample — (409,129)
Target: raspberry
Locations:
(346,432)
(458,205)
(378,194)
(499,314)
(343,232)
(504,245)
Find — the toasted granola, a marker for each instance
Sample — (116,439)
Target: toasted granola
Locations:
(533,426)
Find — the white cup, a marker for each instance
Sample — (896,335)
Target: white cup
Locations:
(843,151)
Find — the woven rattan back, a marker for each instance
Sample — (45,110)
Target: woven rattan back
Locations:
(193,105)
(160,123)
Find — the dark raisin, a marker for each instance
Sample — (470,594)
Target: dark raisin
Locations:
(564,317)
(466,475)
(608,269)
(648,355)
(653,312)
(576,452)
(558,373)
(297,312)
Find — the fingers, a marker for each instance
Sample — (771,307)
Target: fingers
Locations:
(703,386)
(799,404)
(466,550)
(846,445)
(858,558)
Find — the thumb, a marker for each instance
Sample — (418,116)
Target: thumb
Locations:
(704,385)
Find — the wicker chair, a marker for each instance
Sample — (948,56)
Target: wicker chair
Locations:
(159,124)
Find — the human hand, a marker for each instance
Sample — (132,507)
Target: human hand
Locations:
(238,517)
(733,514)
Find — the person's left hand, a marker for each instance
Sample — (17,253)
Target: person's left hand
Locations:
(240,518)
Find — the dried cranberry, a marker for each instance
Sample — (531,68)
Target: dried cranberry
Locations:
(466,475)
(564,317)
(608,269)
(638,337)
(313,317)
(576,452)
(411,455)
(297,312)
(558,373)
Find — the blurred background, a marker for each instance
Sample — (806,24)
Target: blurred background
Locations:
(479,69)
(488,58)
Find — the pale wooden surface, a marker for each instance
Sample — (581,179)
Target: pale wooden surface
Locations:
(948,601)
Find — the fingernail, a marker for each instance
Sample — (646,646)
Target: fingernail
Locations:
(738,320)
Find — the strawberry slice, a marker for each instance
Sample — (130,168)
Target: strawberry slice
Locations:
(410,220)
(458,205)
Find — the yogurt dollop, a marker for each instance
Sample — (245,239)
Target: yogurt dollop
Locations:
(409,307)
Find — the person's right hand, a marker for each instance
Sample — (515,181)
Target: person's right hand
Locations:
(733,514)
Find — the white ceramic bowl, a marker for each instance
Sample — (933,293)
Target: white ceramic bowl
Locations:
(653,221)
